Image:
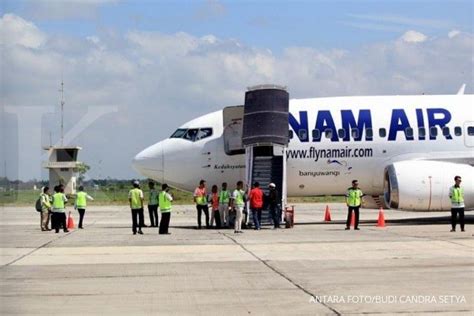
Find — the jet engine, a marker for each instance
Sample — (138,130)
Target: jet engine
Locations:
(424,185)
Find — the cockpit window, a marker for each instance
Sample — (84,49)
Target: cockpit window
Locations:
(179,133)
(204,133)
(192,134)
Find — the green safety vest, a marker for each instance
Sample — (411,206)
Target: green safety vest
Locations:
(136,200)
(354,197)
(153,198)
(224,197)
(457,195)
(81,199)
(45,202)
(239,200)
(201,200)
(165,204)
(58,201)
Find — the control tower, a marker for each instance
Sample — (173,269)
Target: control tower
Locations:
(62,164)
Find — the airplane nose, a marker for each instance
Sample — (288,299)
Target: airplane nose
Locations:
(149,162)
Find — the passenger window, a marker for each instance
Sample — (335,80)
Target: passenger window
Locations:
(470,130)
(355,133)
(369,133)
(191,134)
(382,132)
(316,135)
(290,134)
(302,134)
(421,132)
(446,131)
(409,132)
(204,133)
(179,133)
(458,131)
(328,133)
(341,133)
(433,131)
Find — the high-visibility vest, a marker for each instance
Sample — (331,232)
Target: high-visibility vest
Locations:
(354,197)
(135,195)
(201,199)
(224,197)
(45,202)
(457,195)
(153,197)
(239,200)
(81,199)
(165,204)
(58,201)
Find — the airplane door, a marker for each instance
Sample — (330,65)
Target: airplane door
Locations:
(469,134)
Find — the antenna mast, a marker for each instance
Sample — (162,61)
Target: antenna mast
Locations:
(62,111)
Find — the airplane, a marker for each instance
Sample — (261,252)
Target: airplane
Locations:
(403,150)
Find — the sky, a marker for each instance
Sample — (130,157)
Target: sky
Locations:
(134,71)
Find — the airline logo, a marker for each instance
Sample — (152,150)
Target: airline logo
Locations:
(359,125)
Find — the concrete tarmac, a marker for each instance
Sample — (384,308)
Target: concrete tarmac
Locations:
(415,265)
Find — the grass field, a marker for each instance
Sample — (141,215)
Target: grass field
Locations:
(119,196)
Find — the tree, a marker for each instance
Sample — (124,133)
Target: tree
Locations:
(82,169)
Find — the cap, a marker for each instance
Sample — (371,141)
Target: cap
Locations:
(136,182)
(272,185)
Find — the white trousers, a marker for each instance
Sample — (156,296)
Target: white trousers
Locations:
(224,213)
(238,218)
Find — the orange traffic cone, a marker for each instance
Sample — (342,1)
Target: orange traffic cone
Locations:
(353,219)
(381,220)
(327,214)
(70,222)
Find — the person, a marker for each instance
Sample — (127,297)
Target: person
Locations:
(81,204)
(153,205)
(273,203)
(224,197)
(256,204)
(135,197)
(165,199)
(45,209)
(200,198)
(213,199)
(238,203)
(58,216)
(456,194)
(353,200)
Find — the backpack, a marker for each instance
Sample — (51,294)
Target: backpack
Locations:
(38,205)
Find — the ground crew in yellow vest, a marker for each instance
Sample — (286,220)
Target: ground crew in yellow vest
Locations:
(165,199)
(200,198)
(353,200)
(456,194)
(45,208)
(135,197)
(81,204)
(153,204)
(58,216)
(224,198)
(238,203)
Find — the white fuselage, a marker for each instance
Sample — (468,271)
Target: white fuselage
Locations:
(321,165)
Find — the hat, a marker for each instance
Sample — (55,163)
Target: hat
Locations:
(272,185)
(136,182)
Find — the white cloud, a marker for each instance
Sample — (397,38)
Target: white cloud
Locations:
(16,31)
(454,33)
(159,81)
(413,37)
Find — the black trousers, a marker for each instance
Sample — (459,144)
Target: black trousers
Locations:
(137,219)
(275,213)
(454,213)
(349,215)
(153,212)
(81,211)
(165,223)
(200,209)
(217,218)
(57,220)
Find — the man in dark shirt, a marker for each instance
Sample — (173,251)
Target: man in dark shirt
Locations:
(273,202)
